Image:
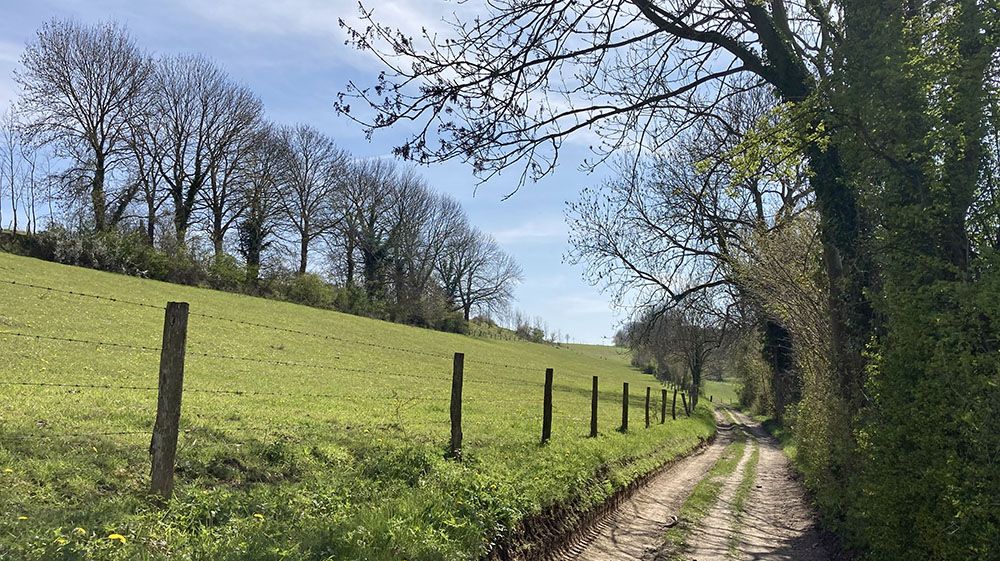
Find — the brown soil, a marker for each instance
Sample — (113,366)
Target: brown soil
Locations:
(778,523)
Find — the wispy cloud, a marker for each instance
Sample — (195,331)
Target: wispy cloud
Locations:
(317,22)
(535,230)
(576,305)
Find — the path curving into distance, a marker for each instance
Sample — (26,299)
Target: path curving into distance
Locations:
(774,523)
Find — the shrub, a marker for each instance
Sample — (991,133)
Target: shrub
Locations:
(309,289)
(225,273)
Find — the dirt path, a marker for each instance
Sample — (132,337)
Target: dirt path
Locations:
(777,523)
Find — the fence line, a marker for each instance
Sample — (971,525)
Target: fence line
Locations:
(170,389)
(82,294)
(344,397)
(263,326)
(84,341)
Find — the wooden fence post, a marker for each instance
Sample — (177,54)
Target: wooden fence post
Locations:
(593,410)
(663,405)
(673,408)
(163,445)
(624,427)
(458,370)
(547,407)
(647,406)
(685,402)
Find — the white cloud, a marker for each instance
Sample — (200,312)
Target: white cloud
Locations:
(575,305)
(316,23)
(535,230)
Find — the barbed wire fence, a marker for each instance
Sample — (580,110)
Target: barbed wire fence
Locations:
(170,387)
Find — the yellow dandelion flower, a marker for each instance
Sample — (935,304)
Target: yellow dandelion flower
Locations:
(117,537)
(79,531)
(258,516)
(61,541)
(8,470)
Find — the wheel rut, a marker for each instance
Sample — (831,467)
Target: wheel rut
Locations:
(777,522)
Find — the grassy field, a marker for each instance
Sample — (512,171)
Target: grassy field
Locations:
(315,435)
(723,392)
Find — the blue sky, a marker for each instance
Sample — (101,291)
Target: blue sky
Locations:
(292,53)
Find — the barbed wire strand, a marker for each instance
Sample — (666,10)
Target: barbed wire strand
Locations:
(266,326)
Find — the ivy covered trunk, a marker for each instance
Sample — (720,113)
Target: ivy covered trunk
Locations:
(929,442)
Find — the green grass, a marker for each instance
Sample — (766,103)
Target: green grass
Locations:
(741,496)
(339,456)
(722,392)
(704,496)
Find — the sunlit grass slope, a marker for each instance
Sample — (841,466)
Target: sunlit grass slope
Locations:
(722,391)
(321,439)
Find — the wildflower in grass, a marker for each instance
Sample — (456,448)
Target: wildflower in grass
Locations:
(79,531)
(8,470)
(22,517)
(61,541)
(117,538)
(258,516)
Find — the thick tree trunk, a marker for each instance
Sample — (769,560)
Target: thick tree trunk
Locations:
(848,269)
(696,367)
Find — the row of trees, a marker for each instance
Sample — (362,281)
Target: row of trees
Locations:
(175,148)
(821,174)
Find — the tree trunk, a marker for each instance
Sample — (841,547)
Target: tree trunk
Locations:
(303,254)
(97,197)
(349,255)
(696,367)
(848,269)
(150,221)
(777,352)
(218,234)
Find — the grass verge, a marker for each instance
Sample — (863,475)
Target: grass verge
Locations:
(306,434)
(704,496)
(740,498)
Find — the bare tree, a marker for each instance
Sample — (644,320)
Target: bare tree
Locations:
(200,117)
(145,171)
(311,182)
(369,194)
(421,224)
(231,171)
(81,87)
(689,334)
(261,199)
(477,274)
(10,165)
(677,226)
(507,87)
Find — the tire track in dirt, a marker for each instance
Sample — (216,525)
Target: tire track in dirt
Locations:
(777,524)
(710,541)
(635,530)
